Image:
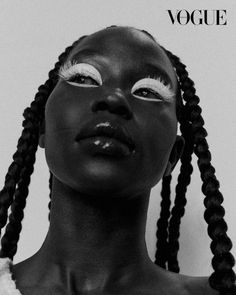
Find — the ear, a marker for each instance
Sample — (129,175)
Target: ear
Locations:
(42,134)
(175,154)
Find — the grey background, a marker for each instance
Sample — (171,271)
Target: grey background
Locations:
(34,33)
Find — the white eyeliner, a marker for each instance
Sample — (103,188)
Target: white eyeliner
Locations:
(72,68)
(157,85)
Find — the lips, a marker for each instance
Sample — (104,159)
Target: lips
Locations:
(107,129)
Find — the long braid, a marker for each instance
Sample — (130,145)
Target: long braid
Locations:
(168,246)
(223,278)
(13,176)
(162,251)
(168,232)
(178,209)
(21,169)
(13,228)
(50,194)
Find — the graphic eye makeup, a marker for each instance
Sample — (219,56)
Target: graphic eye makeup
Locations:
(80,74)
(153,88)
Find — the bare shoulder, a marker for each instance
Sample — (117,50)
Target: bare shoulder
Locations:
(197,285)
(28,283)
(178,284)
(158,282)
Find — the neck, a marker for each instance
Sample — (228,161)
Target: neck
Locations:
(96,238)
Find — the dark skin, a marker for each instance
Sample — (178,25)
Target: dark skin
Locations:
(96,240)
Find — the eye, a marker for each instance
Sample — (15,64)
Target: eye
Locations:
(148,93)
(153,89)
(80,74)
(81,79)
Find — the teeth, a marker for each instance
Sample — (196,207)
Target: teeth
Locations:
(104,124)
(97,142)
(106,145)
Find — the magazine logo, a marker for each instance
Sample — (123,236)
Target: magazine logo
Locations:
(198,17)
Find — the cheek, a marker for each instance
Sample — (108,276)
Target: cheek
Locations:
(63,115)
(63,109)
(160,137)
(164,135)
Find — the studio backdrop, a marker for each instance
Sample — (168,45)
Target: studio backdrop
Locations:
(201,33)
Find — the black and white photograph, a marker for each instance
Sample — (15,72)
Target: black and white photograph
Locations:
(117,144)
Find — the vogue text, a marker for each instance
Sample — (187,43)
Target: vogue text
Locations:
(198,17)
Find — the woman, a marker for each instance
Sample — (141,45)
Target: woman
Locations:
(107,119)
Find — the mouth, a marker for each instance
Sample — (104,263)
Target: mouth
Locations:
(108,138)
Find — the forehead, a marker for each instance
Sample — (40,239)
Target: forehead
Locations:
(127,46)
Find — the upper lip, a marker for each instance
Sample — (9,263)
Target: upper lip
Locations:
(108,129)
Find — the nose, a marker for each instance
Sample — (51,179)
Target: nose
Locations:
(114,102)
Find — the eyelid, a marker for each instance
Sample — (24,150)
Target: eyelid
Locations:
(70,68)
(157,85)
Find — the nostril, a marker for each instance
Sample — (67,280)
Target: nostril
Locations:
(102,105)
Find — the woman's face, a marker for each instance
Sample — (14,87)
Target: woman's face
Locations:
(113,95)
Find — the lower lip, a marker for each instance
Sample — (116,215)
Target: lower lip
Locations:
(106,146)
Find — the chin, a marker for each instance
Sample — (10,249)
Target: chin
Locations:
(98,177)
(104,178)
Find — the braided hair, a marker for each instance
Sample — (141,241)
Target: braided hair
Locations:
(15,190)
(223,278)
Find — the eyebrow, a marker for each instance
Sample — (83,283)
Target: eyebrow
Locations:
(149,66)
(87,53)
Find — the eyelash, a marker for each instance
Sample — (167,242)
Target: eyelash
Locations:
(159,88)
(72,69)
